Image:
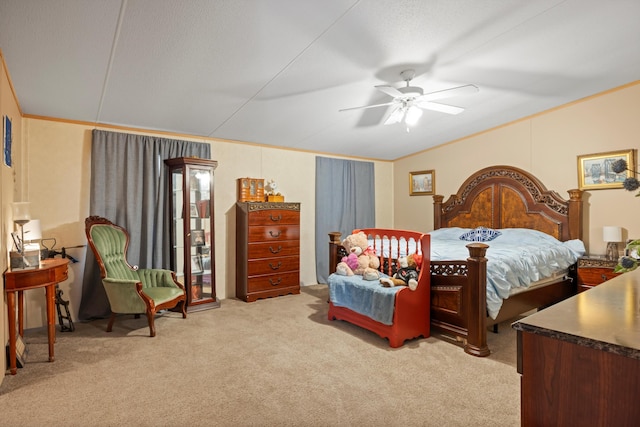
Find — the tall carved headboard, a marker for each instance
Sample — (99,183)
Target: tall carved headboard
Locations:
(508,197)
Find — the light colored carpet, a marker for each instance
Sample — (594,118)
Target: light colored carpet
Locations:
(274,362)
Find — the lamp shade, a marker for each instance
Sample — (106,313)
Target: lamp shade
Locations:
(21,212)
(413,115)
(32,230)
(612,234)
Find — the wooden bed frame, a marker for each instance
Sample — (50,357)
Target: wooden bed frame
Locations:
(494,197)
(411,311)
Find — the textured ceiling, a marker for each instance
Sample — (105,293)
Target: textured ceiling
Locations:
(276,72)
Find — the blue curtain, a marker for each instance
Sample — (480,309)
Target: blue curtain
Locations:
(345,199)
(128,187)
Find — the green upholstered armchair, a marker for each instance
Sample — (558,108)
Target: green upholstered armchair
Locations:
(130,290)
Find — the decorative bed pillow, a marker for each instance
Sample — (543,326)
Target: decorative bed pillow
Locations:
(480,234)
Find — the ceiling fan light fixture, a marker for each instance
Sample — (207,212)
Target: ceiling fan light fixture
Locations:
(413,115)
(396,116)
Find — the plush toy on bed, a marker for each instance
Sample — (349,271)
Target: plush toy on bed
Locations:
(347,265)
(407,274)
(367,261)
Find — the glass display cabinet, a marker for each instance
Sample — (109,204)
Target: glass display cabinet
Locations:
(191,211)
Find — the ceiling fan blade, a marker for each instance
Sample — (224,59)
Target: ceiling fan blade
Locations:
(368,106)
(443,108)
(390,90)
(447,93)
(394,115)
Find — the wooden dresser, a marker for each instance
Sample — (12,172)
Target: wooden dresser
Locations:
(267,249)
(580,358)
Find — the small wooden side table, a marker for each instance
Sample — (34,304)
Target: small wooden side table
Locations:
(48,275)
(594,270)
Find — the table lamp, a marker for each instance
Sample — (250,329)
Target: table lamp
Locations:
(24,257)
(21,216)
(612,235)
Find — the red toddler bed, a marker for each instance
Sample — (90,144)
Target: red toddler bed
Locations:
(411,313)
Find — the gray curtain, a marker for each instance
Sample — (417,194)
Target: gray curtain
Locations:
(345,199)
(128,177)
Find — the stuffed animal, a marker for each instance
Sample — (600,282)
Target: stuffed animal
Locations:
(368,262)
(407,274)
(347,265)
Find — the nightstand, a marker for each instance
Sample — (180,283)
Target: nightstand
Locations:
(593,270)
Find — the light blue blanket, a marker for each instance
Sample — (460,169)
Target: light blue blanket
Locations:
(366,297)
(515,259)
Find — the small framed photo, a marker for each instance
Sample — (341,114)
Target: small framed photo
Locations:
(196,264)
(595,171)
(422,183)
(197,238)
(17,241)
(193,211)
(21,352)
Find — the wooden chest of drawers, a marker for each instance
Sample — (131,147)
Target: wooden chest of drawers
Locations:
(593,270)
(267,250)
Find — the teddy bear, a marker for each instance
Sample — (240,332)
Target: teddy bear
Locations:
(407,274)
(347,265)
(368,262)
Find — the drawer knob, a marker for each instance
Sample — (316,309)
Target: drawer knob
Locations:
(275,218)
(275,267)
(275,251)
(275,283)
(276,234)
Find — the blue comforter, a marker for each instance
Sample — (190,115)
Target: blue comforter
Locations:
(515,259)
(366,297)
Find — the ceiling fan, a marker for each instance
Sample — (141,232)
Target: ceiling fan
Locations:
(409,101)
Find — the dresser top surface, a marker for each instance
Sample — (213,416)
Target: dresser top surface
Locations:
(260,206)
(605,317)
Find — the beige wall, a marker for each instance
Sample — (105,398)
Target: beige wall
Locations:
(11,185)
(59,176)
(546,145)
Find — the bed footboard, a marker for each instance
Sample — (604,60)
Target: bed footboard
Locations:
(459,299)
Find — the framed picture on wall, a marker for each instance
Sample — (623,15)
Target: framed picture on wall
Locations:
(7,137)
(422,183)
(595,171)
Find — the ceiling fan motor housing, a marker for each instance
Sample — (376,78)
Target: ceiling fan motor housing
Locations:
(412,91)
